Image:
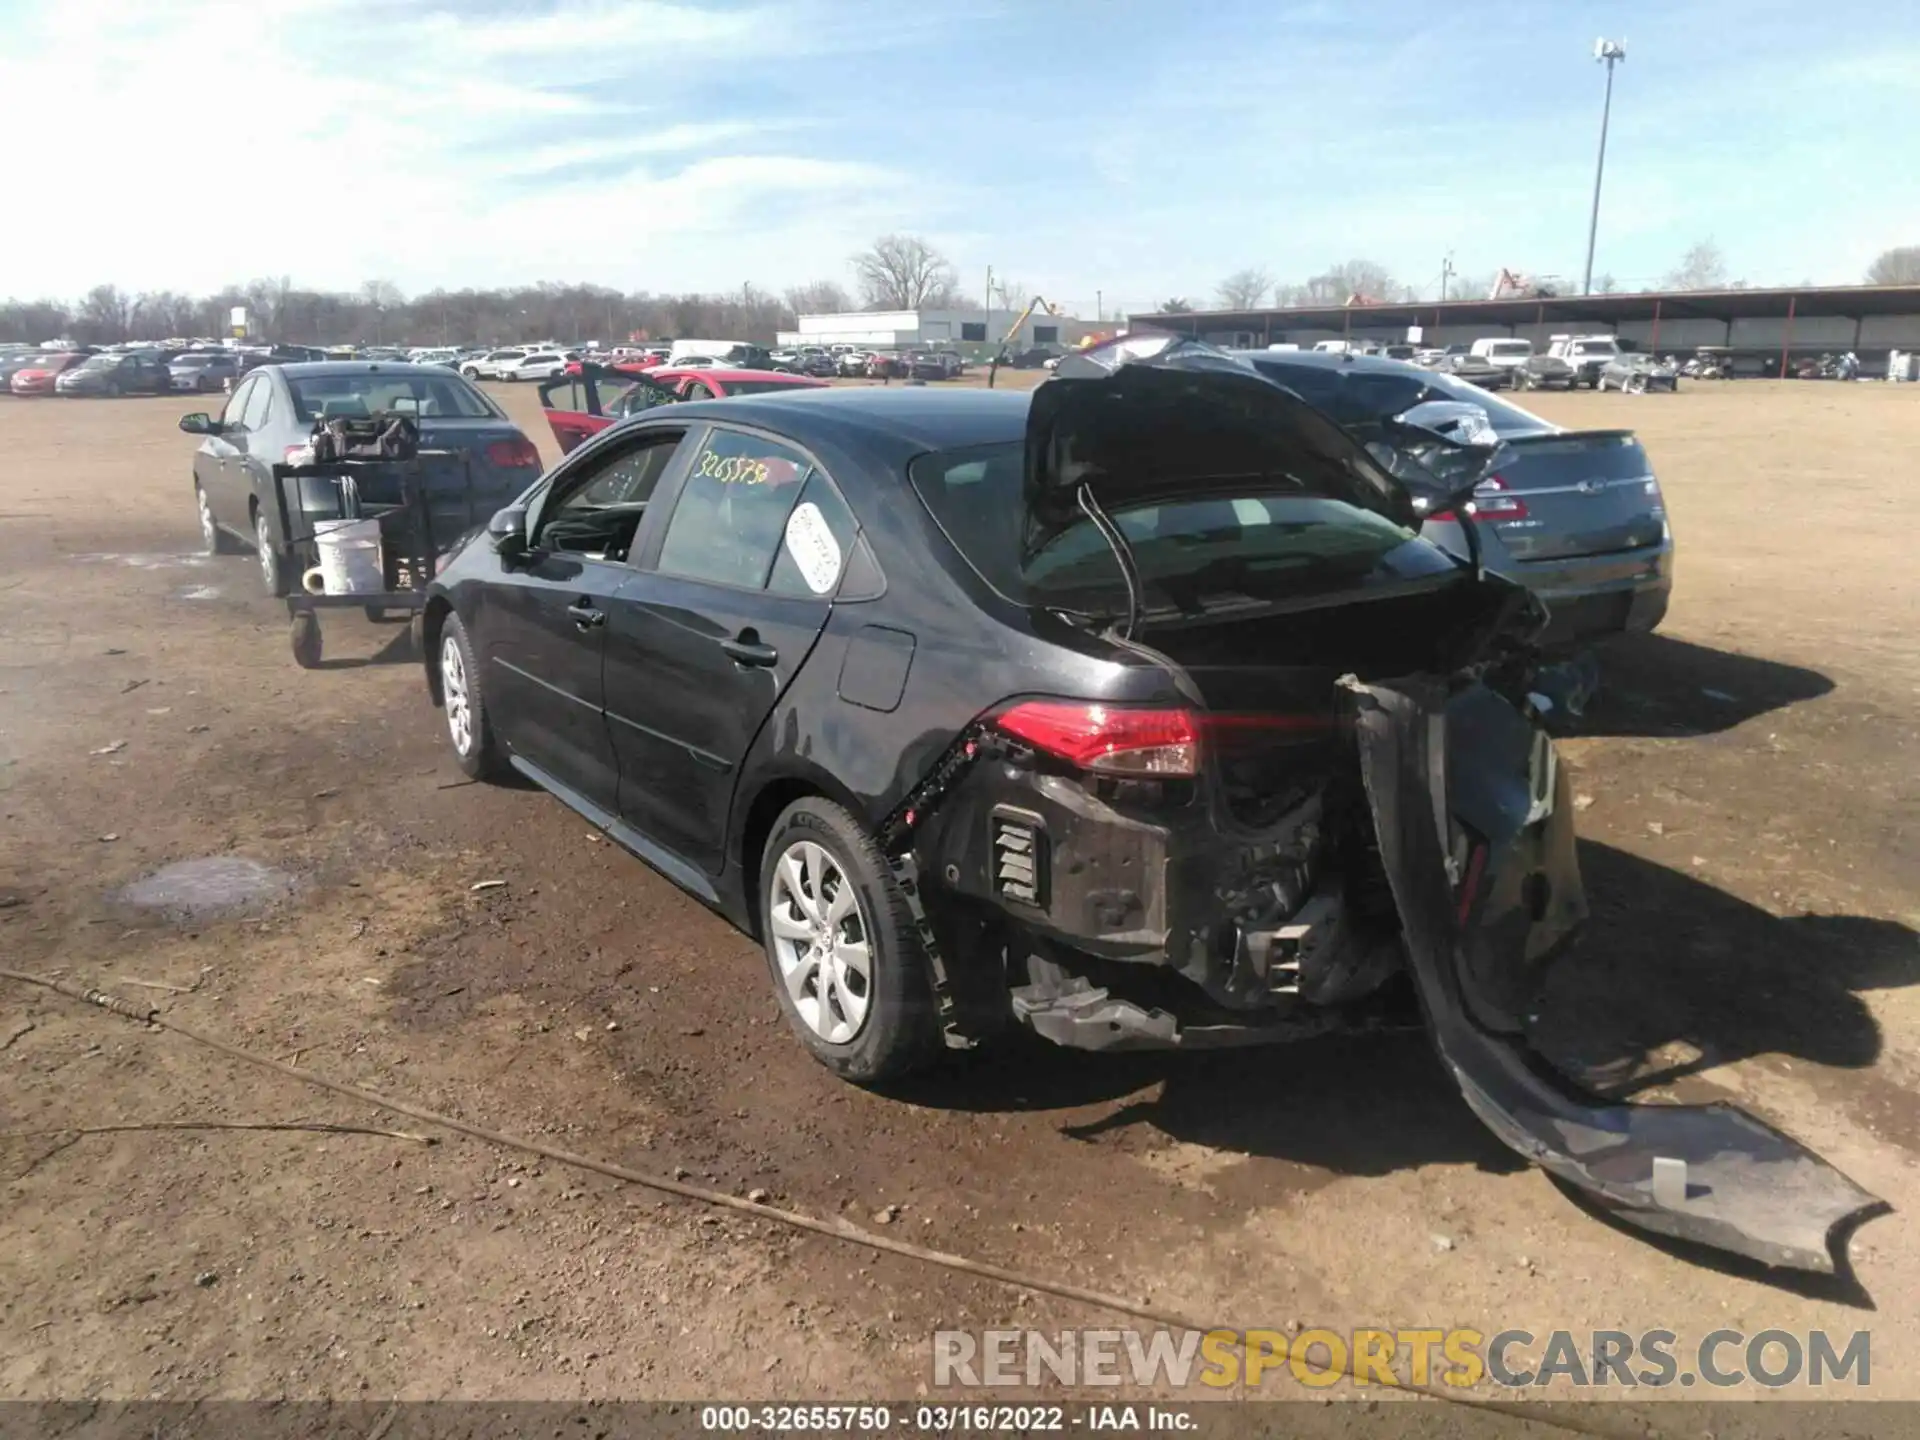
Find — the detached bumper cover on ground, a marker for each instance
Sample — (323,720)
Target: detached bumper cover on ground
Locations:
(1722,1178)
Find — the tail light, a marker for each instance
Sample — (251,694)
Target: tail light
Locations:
(515,454)
(1492,500)
(1145,743)
(1109,739)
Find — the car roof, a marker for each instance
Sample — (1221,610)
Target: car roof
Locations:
(724,373)
(905,420)
(309,369)
(1329,360)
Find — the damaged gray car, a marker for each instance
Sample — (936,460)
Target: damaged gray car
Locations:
(1135,711)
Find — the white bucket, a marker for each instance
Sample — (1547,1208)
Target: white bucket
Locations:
(349,556)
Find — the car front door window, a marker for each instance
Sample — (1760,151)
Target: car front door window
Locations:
(259,405)
(235,413)
(597,511)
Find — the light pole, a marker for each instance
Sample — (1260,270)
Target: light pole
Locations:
(1610,53)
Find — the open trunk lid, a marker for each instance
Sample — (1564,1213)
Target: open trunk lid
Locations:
(1152,419)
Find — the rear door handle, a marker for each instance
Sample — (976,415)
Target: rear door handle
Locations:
(750,652)
(586,615)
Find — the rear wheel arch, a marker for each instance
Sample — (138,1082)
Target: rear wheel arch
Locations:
(769,801)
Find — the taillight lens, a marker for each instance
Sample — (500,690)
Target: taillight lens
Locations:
(1492,501)
(515,454)
(1110,739)
(1149,743)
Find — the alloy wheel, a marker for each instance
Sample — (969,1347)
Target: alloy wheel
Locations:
(821,942)
(453,691)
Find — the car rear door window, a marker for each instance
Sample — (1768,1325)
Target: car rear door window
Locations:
(729,522)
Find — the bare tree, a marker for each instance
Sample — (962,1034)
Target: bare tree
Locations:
(1244,289)
(1898,266)
(1606,285)
(1703,267)
(1366,278)
(904,272)
(1009,294)
(1176,306)
(105,315)
(33,320)
(820,297)
(1469,287)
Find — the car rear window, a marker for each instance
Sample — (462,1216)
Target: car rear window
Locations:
(445,396)
(1190,555)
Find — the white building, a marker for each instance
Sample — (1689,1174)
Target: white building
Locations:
(937,330)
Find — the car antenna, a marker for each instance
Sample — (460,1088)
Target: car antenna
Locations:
(1122,552)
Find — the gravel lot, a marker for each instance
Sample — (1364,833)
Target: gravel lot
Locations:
(1750,846)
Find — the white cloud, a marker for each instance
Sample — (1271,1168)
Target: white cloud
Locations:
(189,146)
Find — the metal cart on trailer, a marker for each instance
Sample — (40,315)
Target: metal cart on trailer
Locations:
(404,506)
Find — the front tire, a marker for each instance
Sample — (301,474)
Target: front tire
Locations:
(273,560)
(215,540)
(842,949)
(469,729)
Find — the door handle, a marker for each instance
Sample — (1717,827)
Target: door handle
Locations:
(586,615)
(746,649)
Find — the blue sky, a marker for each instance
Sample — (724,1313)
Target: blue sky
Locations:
(1137,149)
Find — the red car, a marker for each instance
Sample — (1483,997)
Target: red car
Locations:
(38,378)
(590,397)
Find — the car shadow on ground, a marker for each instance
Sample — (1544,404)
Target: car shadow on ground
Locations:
(1667,963)
(1655,685)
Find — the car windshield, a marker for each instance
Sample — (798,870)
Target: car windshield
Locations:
(1191,556)
(1367,396)
(100,362)
(195,361)
(444,396)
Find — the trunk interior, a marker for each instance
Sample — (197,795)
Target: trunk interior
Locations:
(1275,675)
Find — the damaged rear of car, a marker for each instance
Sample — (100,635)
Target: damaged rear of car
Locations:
(1344,787)
(1137,711)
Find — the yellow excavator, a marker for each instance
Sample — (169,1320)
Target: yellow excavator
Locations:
(1003,356)
(1013,330)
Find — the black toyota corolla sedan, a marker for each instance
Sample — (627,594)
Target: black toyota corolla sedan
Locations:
(1133,709)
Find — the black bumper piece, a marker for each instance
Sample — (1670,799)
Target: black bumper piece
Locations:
(1711,1174)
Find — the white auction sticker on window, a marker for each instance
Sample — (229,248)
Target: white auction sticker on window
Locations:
(810,541)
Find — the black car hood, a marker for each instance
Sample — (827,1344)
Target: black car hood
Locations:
(1149,419)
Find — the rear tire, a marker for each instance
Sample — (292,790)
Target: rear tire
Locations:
(842,949)
(469,729)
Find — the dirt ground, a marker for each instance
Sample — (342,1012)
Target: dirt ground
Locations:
(1749,790)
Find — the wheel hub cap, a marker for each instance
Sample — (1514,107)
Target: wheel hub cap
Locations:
(820,942)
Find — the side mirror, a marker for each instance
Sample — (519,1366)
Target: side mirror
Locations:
(508,532)
(198,424)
